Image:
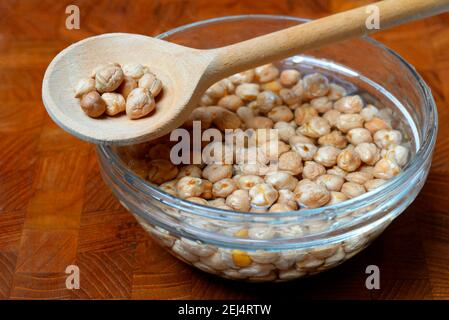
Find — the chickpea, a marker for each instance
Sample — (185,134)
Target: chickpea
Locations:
(231,102)
(274,86)
(280,207)
(239,200)
(326,156)
(369,112)
(336,92)
(260,123)
(267,100)
(207,190)
(263,195)
(128,84)
(246,182)
(359,135)
(190,171)
(352,190)
(368,153)
(374,184)
(337,197)
(312,170)
(170,187)
(93,105)
(289,96)
(229,85)
(359,177)
(349,160)
(247,91)
(216,172)
(303,114)
(281,180)
(337,171)
(311,194)
(189,187)
(206,101)
(280,113)
(139,103)
(139,167)
(223,188)
(151,83)
(386,169)
(224,119)
(108,78)
(335,139)
(291,162)
(305,150)
(289,77)
(160,171)
(315,127)
(285,130)
(346,122)
(242,77)
(330,182)
(134,70)
(315,85)
(84,86)
(287,197)
(321,104)
(217,90)
(349,104)
(376,124)
(198,200)
(397,153)
(384,139)
(332,117)
(115,103)
(266,73)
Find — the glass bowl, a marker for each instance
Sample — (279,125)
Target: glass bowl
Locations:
(290,245)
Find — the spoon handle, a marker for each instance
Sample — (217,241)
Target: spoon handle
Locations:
(341,26)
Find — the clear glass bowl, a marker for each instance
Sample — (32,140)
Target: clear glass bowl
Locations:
(286,246)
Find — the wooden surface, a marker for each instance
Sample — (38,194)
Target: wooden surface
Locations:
(56,211)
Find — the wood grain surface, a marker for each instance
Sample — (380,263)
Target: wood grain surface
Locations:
(56,211)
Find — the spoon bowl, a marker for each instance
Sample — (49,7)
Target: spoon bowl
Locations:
(171,63)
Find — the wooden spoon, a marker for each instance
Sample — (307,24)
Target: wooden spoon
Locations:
(186,73)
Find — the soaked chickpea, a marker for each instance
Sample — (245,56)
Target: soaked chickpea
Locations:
(352,190)
(280,113)
(386,169)
(289,77)
(359,135)
(368,153)
(311,194)
(315,85)
(223,188)
(335,139)
(266,73)
(291,162)
(316,127)
(331,182)
(327,156)
(303,114)
(263,195)
(239,200)
(349,104)
(349,160)
(346,122)
(321,104)
(312,170)
(336,92)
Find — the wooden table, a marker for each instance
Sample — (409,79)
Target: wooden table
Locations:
(56,211)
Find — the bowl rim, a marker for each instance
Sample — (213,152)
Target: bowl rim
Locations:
(424,151)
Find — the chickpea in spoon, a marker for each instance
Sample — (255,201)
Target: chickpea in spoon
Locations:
(113,89)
